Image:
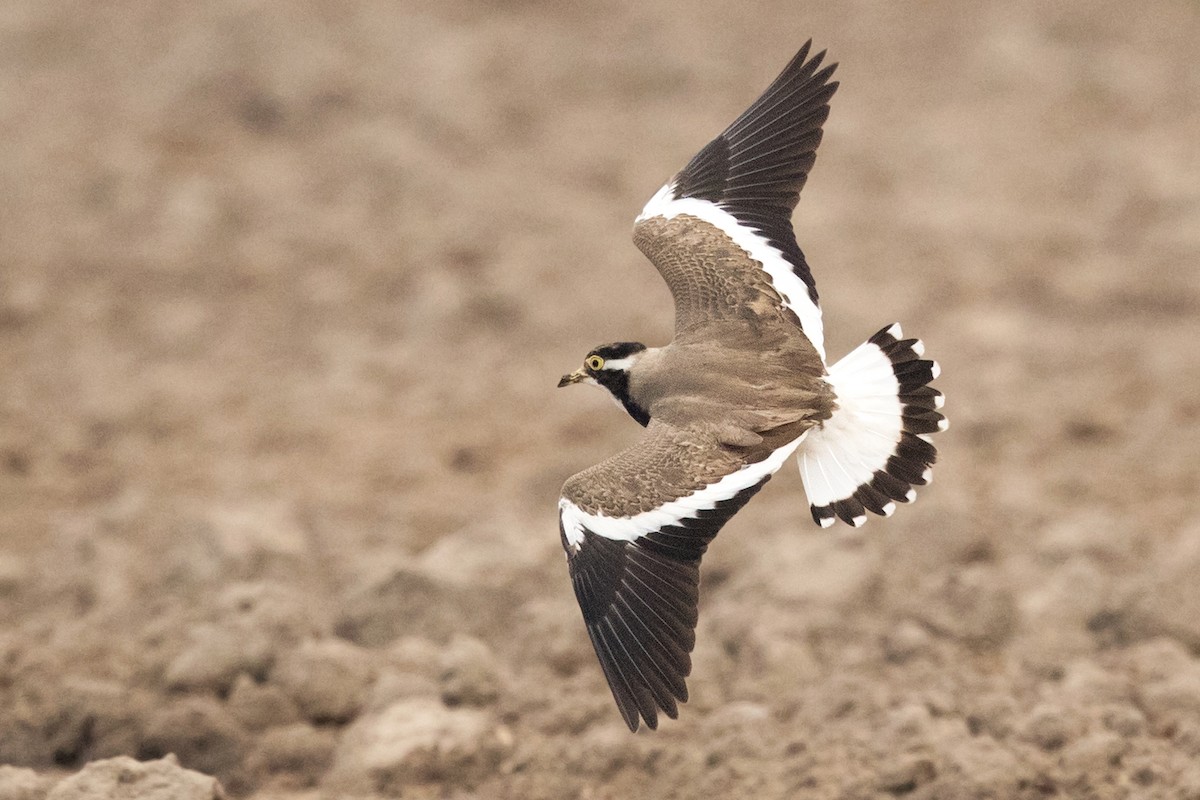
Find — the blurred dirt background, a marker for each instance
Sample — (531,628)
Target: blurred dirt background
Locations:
(285,289)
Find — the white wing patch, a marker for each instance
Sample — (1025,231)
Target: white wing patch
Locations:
(575,519)
(793,291)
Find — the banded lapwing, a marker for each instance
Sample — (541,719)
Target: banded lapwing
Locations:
(743,385)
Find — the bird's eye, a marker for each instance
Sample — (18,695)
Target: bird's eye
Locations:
(595,363)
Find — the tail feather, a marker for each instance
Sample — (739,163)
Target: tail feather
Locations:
(875,448)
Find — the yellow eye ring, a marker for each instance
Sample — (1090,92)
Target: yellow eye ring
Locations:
(594,363)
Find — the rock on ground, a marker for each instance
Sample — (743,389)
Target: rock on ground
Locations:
(22,783)
(469,673)
(413,742)
(299,753)
(328,679)
(201,732)
(258,706)
(123,778)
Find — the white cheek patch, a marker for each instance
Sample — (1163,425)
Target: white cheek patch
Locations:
(618,363)
(786,282)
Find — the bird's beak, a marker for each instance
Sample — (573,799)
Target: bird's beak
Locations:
(575,377)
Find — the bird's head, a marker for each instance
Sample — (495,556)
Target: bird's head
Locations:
(608,366)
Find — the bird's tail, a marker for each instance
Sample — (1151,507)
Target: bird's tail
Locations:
(875,447)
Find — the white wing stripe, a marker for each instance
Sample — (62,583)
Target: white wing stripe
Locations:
(575,519)
(793,291)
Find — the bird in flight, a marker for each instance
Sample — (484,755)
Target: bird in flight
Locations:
(743,385)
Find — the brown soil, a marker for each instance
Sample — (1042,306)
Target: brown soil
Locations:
(285,290)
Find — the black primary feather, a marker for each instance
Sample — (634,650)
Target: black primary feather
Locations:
(757,167)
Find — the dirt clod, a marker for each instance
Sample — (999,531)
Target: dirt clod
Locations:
(258,706)
(22,783)
(469,674)
(906,774)
(200,732)
(126,779)
(299,753)
(415,742)
(327,679)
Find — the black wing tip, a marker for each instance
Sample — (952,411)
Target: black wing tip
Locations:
(638,699)
(634,720)
(640,609)
(651,721)
(788,112)
(800,60)
(757,167)
(803,63)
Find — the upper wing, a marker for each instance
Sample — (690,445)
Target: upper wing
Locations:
(725,219)
(635,527)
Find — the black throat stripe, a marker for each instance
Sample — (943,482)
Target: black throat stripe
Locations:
(617,382)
